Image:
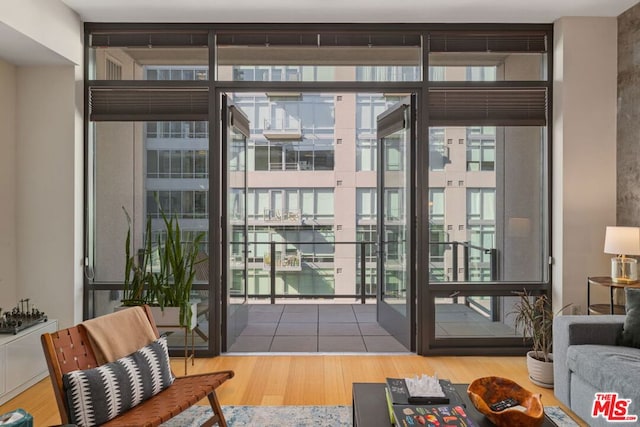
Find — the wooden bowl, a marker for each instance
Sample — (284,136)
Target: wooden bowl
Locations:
(489,390)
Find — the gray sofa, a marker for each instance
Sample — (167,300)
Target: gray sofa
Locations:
(587,360)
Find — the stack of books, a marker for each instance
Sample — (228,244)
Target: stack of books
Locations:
(444,408)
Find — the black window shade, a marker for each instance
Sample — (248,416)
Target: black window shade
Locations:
(330,39)
(455,106)
(149,39)
(515,42)
(126,104)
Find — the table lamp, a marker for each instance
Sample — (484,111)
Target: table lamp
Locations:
(623,241)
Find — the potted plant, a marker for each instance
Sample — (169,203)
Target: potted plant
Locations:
(534,317)
(139,278)
(177,269)
(169,285)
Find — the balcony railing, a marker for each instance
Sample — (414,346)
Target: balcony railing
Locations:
(469,263)
(299,256)
(474,258)
(293,260)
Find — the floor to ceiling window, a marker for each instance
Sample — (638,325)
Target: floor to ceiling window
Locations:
(488,184)
(312,98)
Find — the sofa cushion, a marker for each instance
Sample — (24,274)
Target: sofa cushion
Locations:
(97,395)
(607,368)
(631,328)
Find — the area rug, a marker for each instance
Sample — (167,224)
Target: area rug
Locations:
(268,416)
(300,416)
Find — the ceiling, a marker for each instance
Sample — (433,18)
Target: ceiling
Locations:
(21,50)
(344,11)
(16,48)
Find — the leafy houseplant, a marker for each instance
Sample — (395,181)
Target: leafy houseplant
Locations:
(534,317)
(139,278)
(177,266)
(170,285)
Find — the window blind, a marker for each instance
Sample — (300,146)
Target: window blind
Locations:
(455,106)
(136,104)
(513,42)
(149,39)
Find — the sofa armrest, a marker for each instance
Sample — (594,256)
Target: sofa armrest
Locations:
(576,330)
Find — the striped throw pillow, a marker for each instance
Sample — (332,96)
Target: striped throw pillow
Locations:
(95,396)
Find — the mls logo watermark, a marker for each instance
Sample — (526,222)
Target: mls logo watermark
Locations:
(612,408)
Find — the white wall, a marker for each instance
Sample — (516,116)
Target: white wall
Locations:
(48,266)
(42,174)
(584,152)
(7,185)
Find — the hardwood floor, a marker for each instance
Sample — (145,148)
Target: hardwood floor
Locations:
(308,379)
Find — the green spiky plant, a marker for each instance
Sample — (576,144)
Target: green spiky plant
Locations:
(534,317)
(170,285)
(139,278)
(177,262)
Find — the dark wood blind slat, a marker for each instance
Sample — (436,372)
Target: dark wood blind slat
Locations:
(145,104)
(473,42)
(499,107)
(329,39)
(149,39)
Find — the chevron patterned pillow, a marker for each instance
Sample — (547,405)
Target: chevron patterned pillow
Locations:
(95,396)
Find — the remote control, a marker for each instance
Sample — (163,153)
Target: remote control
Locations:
(503,404)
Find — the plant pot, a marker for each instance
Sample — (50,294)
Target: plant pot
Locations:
(170,316)
(540,372)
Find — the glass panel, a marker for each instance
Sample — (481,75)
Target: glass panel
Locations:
(494,208)
(144,63)
(127,175)
(297,141)
(489,66)
(476,317)
(314,57)
(395,238)
(291,131)
(236,229)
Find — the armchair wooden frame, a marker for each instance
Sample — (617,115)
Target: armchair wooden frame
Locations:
(69,349)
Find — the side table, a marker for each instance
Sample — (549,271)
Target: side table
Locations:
(610,308)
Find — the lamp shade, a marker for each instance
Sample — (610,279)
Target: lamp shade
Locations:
(622,240)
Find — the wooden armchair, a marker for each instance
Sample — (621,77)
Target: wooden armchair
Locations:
(73,349)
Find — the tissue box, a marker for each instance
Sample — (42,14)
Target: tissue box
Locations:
(17,418)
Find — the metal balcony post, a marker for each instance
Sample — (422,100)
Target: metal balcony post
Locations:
(493,254)
(363,271)
(465,255)
(273,271)
(454,261)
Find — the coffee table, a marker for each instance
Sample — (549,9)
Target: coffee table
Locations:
(370,407)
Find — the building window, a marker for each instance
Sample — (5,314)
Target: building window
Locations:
(437,234)
(290,205)
(366,205)
(184,164)
(481,148)
(113,70)
(366,154)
